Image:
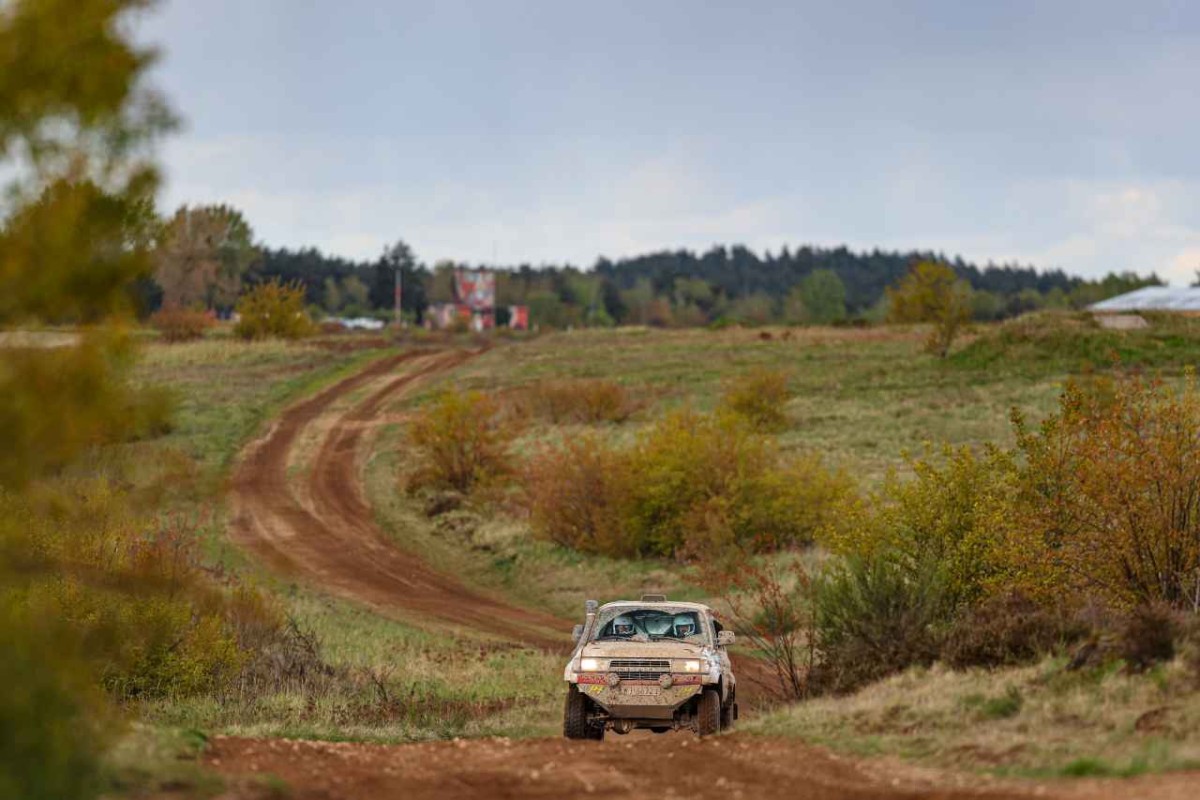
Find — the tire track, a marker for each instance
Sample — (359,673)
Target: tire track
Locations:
(322,530)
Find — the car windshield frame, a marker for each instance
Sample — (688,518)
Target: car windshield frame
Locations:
(644,613)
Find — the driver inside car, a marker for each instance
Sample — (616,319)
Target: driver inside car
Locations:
(623,626)
(685,626)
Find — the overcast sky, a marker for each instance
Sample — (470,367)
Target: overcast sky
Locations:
(1063,134)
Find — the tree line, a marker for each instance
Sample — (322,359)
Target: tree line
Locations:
(207,254)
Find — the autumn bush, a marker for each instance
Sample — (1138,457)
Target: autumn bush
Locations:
(579,495)
(576,401)
(932,293)
(691,483)
(1109,495)
(273,310)
(461,440)
(175,324)
(760,397)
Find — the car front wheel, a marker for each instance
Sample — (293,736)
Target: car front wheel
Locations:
(575,717)
(708,714)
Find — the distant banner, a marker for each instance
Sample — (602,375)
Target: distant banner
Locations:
(475,289)
(518,318)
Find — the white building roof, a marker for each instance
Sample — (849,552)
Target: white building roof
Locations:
(1152,298)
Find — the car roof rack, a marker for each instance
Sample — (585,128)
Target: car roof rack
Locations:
(654,598)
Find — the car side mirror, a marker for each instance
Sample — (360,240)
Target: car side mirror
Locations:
(725,638)
(577,634)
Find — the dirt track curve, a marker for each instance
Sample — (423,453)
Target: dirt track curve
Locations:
(320,529)
(316,526)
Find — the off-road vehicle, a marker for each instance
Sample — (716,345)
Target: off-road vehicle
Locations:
(649,664)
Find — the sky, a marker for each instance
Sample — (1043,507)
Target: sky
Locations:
(1052,133)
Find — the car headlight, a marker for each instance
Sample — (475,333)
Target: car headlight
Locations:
(690,665)
(591,665)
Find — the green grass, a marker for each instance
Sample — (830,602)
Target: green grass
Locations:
(862,396)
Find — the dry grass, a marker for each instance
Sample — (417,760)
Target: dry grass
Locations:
(1039,720)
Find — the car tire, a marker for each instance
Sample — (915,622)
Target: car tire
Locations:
(575,716)
(660,729)
(708,713)
(728,715)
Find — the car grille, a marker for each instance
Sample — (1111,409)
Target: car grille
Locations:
(640,669)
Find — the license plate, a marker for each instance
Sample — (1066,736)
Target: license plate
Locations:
(641,691)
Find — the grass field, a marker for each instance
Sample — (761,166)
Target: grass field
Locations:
(862,397)
(1038,721)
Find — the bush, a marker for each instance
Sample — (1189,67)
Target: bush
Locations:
(705,480)
(150,621)
(462,441)
(578,401)
(579,496)
(876,617)
(1109,495)
(273,310)
(181,324)
(1007,630)
(760,397)
(1148,635)
(692,485)
(954,511)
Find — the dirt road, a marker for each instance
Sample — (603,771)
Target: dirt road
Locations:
(317,527)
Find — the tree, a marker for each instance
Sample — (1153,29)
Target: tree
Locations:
(398,257)
(77,129)
(824,296)
(932,293)
(204,253)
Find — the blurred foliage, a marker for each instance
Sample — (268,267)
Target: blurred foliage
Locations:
(52,724)
(56,403)
(273,310)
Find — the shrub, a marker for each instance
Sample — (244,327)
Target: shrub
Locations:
(462,441)
(273,310)
(692,485)
(1148,635)
(695,473)
(149,620)
(953,511)
(771,605)
(1006,630)
(875,617)
(1109,495)
(760,397)
(579,496)
(579,401)
(180,324)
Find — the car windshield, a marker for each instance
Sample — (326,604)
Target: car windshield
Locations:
(649,625)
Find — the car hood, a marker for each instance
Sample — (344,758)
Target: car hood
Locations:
(642,650)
